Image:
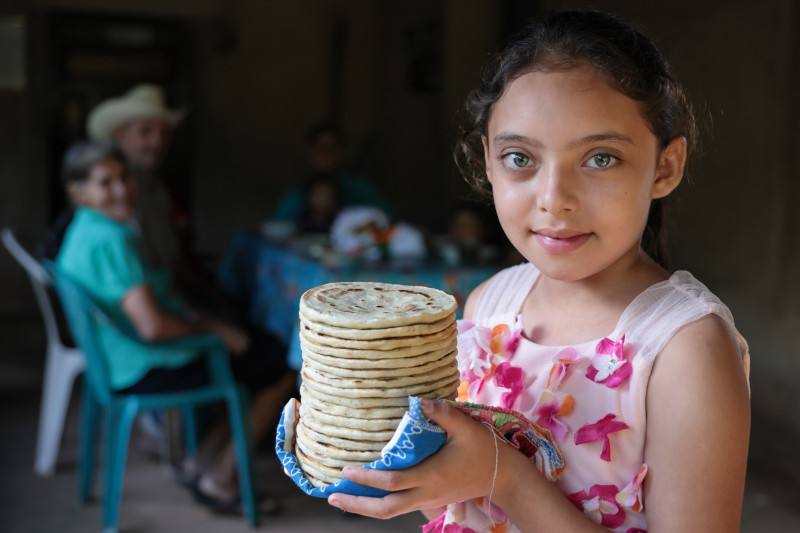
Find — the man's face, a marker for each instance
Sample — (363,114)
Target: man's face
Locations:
(145,142)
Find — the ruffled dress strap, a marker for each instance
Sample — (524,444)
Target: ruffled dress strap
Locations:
(660,311)
(505,292)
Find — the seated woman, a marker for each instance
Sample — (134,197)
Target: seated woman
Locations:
(102,253)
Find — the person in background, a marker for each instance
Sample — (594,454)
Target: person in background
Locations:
(102,254)
(469,231)
(325,151)
(467,226)
(321,204)
(140,124)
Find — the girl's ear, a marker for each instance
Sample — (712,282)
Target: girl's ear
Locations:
(487,161)
(75,192)
(669,171)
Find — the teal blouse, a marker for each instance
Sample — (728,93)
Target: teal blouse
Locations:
(103,256)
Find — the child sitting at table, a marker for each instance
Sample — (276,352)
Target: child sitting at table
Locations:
(321,204)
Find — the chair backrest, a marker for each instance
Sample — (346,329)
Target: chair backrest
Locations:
(40,280)
(84,316)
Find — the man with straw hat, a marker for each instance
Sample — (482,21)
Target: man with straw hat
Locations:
(140,124)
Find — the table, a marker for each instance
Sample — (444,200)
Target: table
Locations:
(271,277)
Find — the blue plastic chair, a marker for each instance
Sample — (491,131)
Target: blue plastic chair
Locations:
(83,316)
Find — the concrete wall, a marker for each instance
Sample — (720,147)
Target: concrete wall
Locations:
(264,73)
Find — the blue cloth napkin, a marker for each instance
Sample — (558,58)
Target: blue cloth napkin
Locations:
(414,440)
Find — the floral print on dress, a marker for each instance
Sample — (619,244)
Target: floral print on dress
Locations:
(509,377)
(481,351)
(437,526)
(487,365)
(609,365)
(631,495)
(600,505)
(600,431)
(548,412)
(498,518)
(561,363)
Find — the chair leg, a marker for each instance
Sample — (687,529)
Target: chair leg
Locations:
(60,371)
(189,430)
(241,439)
(120,419)
(90,411)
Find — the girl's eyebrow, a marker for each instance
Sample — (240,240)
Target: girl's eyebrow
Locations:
(612,136)
(503,138)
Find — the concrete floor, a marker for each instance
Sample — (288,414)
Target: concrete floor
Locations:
(153,502)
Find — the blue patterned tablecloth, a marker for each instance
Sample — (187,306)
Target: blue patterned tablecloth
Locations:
(271,278)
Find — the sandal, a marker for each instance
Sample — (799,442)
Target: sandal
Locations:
(188,473)
(207,493)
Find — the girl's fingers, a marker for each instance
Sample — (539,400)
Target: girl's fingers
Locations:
(443,414)
(423,485)
(391,480)
(389,506)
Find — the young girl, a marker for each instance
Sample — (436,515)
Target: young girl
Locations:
(579,130)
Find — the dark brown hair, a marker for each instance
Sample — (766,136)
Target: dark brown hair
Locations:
(626,59)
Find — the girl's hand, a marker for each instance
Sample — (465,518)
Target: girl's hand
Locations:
(464,468)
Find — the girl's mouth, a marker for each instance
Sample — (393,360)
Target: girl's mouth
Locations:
(561,244)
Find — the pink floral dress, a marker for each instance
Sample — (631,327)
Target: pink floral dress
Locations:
(591,396)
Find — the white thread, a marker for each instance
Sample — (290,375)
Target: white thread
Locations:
(494,476)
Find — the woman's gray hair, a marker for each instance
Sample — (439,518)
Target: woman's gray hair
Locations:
(79,159)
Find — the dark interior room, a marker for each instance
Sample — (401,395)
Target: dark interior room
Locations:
(251,78)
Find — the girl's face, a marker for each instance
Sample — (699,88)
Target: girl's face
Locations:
(574,167)
(108,188)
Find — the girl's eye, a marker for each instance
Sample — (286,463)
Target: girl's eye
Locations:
(601,161)
(517,160)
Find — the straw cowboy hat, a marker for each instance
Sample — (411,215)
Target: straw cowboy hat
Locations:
(142,101)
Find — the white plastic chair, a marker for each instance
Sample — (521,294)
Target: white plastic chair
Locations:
(62,366)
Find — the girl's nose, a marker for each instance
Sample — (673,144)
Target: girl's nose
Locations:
(557,191)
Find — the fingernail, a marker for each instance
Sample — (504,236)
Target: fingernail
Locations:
(334,502)
(427,406)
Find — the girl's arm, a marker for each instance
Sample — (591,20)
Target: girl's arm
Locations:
(698,427)
(152,323)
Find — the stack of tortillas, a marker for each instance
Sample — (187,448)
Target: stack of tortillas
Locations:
(366,348)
